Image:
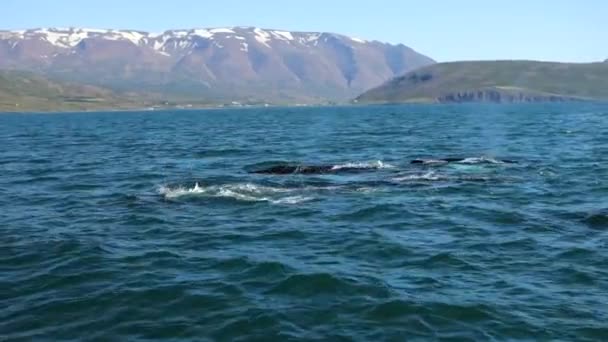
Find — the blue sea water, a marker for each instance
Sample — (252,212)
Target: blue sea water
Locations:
(149,226)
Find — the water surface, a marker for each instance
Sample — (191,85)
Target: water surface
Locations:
(148,226)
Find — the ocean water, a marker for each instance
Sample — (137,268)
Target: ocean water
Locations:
(150,226)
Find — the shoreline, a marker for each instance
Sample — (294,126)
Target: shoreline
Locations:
(334,105)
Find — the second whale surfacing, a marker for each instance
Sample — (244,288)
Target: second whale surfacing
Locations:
(304,169)
(300,169)
(473,160)
(287,169)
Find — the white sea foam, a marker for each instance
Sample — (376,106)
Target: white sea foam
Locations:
(429,176)
(364,165)
(481,160)
(433,176)
(292,200)
(434,162)
(243,192)
(180,191)
(367,190)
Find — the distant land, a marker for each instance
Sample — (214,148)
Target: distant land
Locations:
(495,81)
(77,69)
(24,91)
(211,65)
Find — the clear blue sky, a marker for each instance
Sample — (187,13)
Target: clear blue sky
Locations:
(561,30)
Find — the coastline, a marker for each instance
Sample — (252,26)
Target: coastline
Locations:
(319,105)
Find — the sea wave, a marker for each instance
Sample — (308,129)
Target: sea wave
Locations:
(433,162)
(364,165)
(433,176)
(292,200)
(429,176)
(481,160)
(248,192)
(468,160)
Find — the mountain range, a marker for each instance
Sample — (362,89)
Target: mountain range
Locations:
(246,64)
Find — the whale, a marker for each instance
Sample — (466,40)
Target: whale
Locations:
(297,169)
(311,169)
(304,169)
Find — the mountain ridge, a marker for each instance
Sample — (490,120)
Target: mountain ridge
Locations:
(226,63)
(71,36)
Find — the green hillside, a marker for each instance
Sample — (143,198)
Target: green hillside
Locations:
(22,91)
(25,91)
(495,81)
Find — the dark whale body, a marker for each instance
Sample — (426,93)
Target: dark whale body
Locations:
(311,169)
(289,169)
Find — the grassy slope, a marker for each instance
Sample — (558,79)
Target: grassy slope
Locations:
(21,91)
(24,91)
(589,81)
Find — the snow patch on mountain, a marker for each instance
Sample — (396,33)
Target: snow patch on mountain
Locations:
(70,37)
(90,30)
(204,33)
(283,35)
(171,41)
(222,30)
(10,35)
(262,36)
(132,36)
(60,38)
(179,33)
(311,38)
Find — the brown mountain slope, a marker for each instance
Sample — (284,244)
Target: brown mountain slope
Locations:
(221,64)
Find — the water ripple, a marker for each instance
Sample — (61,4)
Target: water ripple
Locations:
(149,226)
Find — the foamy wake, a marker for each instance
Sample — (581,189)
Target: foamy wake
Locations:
(429,176)
(481,160)
(362,165)
(242,192)
(432,176)
(434,162)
